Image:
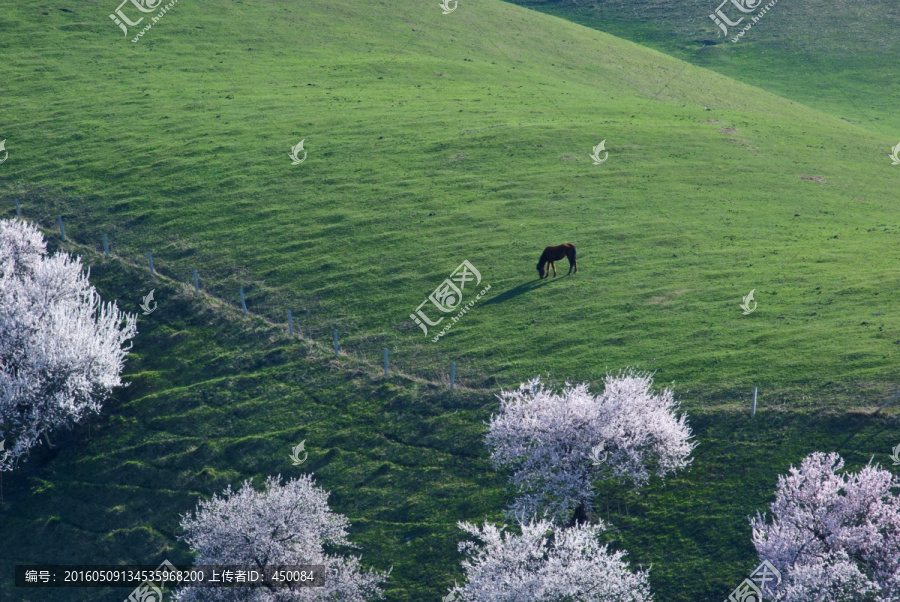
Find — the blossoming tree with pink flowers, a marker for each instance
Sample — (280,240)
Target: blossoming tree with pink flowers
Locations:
(834,536)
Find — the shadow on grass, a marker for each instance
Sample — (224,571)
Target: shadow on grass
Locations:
(519,290)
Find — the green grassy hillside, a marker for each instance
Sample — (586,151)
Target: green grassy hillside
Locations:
(434,139)
(438,138)
(836,56)
(216,398)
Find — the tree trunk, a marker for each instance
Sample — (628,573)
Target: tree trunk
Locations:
(47,439)
(582,515)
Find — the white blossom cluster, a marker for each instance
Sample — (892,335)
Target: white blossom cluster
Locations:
(834,537)
(61,349)
(546,564)
(557,444)
(552,440)
(285,524)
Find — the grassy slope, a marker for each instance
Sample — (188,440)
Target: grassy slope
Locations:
(216,398)
(484,117)
(836,56)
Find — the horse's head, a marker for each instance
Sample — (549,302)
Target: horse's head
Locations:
(540,269)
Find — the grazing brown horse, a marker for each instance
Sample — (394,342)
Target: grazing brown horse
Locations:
(552,254)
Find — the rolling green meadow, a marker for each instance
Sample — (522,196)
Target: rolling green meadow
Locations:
(839,57)
(434,139)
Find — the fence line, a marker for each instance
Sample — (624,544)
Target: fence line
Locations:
(243,303)
(290,317)
(753,411)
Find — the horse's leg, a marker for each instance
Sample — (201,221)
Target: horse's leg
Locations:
(553,263)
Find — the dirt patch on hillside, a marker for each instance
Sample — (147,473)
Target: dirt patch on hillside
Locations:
(818,179)
(665,298)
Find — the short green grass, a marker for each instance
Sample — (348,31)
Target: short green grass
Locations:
(216,398)
(438,138)
(839,57)
(433,139)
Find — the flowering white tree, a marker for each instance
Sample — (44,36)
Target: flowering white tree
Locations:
(547,565)
(282,525)
(834,537)
(61,349)
(558,443)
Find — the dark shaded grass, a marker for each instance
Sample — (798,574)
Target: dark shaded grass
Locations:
(217,398)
